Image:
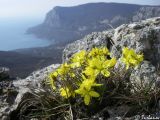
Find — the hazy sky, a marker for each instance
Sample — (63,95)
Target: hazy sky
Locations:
(38,8)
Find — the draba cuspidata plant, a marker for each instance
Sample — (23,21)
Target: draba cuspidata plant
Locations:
(81,75)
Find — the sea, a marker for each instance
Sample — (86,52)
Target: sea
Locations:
(13,34)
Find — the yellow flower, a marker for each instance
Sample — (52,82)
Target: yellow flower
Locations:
(99,65)
(64,70)
(78,59)
(130,58)
(52,78)
(105,51)
(89,82)
(52,83)
(99,52)
(86,91)
(75,65)
(110,63)
(65,92)
(96,62)
(91,72)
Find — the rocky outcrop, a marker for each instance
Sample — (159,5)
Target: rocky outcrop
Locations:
(5,79)
(4,73)
(11,96)
(142,36)
(145,76)
(66,24)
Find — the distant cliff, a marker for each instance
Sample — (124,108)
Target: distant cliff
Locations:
(70,23)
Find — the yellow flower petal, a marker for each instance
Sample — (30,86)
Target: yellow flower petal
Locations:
(127,66)
(140,57)
(94,94)
(91,72)
(65,92)
(106,73)
(52,84)
(125,50)
(79,57)
(75,65)
(133,61)
(110,63)
(78,91)
(87,99)
(97,85)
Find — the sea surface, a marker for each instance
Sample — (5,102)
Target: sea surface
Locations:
(13,35)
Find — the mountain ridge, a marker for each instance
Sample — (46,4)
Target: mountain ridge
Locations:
(76,21)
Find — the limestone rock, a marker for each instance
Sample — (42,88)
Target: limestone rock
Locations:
(90,41)
(21,88)
(142,36)
(144,77)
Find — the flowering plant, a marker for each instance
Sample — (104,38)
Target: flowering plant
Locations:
(81,75)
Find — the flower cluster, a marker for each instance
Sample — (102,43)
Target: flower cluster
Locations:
(130,58)
(80,75)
